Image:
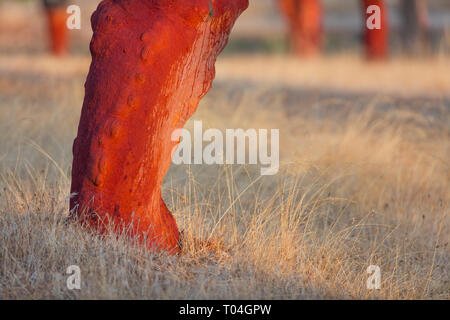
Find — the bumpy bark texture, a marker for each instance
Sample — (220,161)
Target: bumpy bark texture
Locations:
(57,18)
(152,62)
(304,19)
(377,40)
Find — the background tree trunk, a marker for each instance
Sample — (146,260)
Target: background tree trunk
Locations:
(56,19)
(304,19)
(376,40)
(415,28)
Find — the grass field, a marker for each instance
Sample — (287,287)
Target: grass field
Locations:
(364,180)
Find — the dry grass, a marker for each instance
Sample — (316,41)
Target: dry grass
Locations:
(347,72)
(357,187)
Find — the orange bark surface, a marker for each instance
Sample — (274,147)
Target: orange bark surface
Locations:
(304,18)
(57,18)
(152,62)
(376,40)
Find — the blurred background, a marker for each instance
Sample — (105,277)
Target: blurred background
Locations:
(268,35)
(261,28)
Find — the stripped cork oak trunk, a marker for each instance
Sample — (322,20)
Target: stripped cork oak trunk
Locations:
(304,20)
(376,40)
(152,62)
(57,29)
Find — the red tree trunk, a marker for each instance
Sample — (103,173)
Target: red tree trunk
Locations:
(152,62)
(57,18)
(304,18)
(376,40)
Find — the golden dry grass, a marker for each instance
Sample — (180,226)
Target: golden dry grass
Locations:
(346,71)
(358,187)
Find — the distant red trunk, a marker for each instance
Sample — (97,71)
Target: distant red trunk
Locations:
(376,40)
(57,29)
(304,18)
(152,62)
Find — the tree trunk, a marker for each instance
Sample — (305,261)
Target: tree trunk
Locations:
(415,28)
(56,18)
(376,40)
(152,62)
(304,19)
